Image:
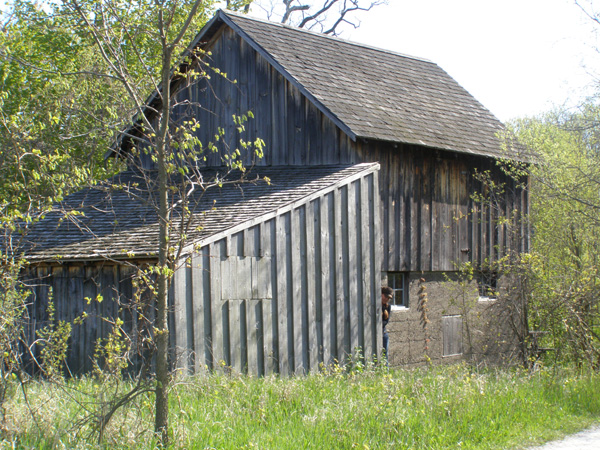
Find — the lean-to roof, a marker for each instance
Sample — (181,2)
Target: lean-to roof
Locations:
(122,223)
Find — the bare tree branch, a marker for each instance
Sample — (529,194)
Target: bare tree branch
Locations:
(324,16)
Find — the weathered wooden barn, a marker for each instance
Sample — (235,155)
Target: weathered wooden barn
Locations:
(323,100)
(313,268)
(278,277)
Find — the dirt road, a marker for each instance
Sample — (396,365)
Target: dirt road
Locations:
(584,440)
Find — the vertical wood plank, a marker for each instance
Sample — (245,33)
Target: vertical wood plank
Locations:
(377,256)
(235,336)
(200,296)
(339,276)
(75,298)
(366,264)
(297,280)
(354,284)
(328,278)
(254,331)
(282,308)
(426,183)
(92,325)
(311,288)
(217,343)
(181,318)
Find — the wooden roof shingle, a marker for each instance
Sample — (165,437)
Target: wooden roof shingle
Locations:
(122,223)
(369,92)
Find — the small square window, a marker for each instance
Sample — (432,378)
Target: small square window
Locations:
(487,283)
(398,281)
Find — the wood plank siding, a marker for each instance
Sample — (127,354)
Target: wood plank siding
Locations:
(430,222)
(283,294)
(102,291)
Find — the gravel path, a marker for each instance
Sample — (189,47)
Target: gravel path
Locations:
(584,440)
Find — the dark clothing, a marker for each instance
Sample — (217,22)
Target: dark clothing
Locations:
(386,338)
(387,308)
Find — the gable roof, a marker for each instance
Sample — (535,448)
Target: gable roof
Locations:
(116,224)
(371,93)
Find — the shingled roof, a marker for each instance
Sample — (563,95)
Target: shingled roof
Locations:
(113,223)
(369,92)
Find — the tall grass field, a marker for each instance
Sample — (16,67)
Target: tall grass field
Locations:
(447,407)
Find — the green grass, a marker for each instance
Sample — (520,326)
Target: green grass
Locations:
(437,408)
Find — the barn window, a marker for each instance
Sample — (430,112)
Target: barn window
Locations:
(487,283)
(398,281)
(452,335)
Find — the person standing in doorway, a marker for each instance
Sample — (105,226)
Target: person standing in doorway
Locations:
(386,310)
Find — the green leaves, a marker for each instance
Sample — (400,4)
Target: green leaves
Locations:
(565,216)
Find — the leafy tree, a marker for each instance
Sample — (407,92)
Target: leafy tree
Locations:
(85,70)
(565,215)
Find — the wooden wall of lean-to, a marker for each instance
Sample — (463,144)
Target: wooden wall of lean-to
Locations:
(282,295)
(68,286)
(287,294)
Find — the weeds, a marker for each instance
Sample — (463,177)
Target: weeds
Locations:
(370,408)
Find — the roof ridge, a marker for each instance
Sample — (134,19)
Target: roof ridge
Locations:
(326,36)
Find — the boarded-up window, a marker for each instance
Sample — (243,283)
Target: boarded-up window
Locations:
(452,335)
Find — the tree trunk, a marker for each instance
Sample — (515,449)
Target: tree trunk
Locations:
(161,419)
